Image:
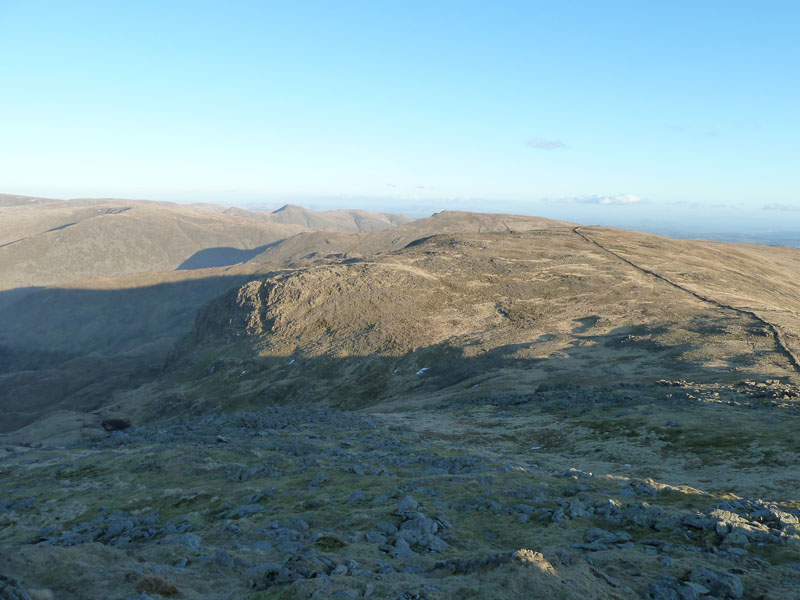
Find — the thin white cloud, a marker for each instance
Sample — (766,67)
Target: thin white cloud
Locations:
(543,144)
(617,200)
(783,207)
(693,205)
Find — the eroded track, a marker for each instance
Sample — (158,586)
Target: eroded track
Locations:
(777,334)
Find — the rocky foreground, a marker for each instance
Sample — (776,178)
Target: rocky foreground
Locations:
(470,500)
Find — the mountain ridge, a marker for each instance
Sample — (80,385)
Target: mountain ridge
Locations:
(53,242)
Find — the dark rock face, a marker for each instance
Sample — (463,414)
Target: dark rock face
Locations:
(115,424)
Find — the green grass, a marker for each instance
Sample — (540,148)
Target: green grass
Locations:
(627,427)
(777,554)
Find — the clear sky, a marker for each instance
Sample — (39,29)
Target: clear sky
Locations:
(619,112)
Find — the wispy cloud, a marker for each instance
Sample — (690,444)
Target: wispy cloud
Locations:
(691,204)
(617,200)
(783,207)
(543,144)
(685,204)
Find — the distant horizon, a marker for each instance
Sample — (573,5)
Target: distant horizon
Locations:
(769,227)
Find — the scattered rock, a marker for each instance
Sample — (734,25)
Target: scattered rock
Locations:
(407,504)
(558,516)
(223,559)
(466,566)
(724,585)
(402,549)
(318,480)
(533,559)
(669,588)
(606,537)
(357,496)
(11,589)
(189,540)
(579,509)
(375,537)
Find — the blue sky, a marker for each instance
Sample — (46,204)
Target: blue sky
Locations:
(616,112)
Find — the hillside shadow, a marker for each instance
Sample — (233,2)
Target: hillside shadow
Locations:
(45,326)
(233,376)
(74,348)
(78,348)
(222,256)
(60,227)
(9,297)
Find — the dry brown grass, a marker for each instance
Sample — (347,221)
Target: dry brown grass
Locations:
(157,585)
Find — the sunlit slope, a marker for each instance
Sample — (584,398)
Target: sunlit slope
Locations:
(455,310)
(69,241)
(319,244)
(764,280)
(51,242)
(350,221)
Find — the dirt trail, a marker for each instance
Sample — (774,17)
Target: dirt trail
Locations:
(780,340)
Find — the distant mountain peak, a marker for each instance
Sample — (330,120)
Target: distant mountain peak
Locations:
(288,207)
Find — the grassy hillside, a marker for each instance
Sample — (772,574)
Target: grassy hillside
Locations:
(505,408)
(454,312)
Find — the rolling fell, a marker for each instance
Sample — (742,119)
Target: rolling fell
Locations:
(465,406)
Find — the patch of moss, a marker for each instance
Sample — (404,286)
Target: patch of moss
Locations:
(275,593)
(617,427)
(330,543)
(777,554)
